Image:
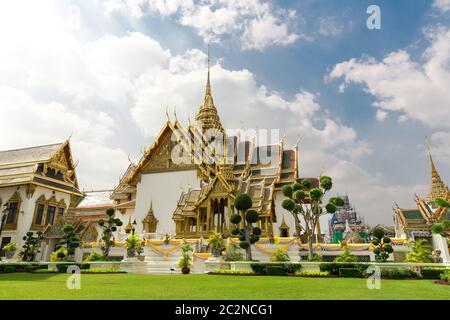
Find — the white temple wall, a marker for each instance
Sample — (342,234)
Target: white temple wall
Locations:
(164,190)
(27,207)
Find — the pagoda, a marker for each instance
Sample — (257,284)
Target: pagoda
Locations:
(416,222)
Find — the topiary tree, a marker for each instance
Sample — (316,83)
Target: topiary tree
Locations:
(69,241)
(382,245)
(31,246)
(109,227)
(421,252)
(248,235)
(306,202)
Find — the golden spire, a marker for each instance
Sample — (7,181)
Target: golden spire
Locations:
(207,116)
(437,188)
(283,224)
(128,227)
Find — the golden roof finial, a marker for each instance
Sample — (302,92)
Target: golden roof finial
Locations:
(208,83)
(175,113)
(167,113)
(437,188)
(207,116)
(129,227)
(283,224)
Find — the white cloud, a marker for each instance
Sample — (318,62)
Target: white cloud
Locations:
(417,91)
(440,143)
(381,115)
(26,123)
(256,23)
(443,5)
(329,27)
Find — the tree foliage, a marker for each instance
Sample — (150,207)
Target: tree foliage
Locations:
(306,202)
(247,234)
(382,245)
(69,241)
(109,226)
(420,253)
(31,246)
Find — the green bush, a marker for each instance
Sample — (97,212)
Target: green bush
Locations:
(62,267)
(400,273)
(102,271)
(94,256)
(333,268)
(275,271)
(30,268)
(446,275)
(44,271)
(432,272)
(346,256)
(238,272)
(350,273)
(292,267)
(312,273)
(280,254)
(287,267)
(9,269)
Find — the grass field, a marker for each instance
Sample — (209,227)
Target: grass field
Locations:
(205,287)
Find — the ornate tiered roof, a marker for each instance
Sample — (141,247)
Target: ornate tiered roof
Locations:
(426,213)
(437,189)
(50,166)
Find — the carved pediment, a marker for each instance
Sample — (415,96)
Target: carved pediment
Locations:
(218,188)
(161,158)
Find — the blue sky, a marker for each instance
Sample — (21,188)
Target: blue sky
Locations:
(361,101)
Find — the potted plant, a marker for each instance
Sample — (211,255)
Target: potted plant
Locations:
(216,243)
(185,261)
(10,250)
(134,246)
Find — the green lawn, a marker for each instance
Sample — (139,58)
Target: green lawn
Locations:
(200,287)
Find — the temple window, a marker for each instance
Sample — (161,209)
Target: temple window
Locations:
(50,217)
(45,212)
(13,212)
(40,208)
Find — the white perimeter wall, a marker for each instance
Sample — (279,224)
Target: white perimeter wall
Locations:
(164,189)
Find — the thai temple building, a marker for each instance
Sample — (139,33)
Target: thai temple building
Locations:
(346,224)
(161,195)
(38,185)
(415,223)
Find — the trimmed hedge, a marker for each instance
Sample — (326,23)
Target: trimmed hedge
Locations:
(333,268)
(62,267)
(9,269)
(350,273)
(287,267)
(275,271)
(432,272)
(398,274)
(23,267)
